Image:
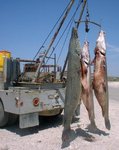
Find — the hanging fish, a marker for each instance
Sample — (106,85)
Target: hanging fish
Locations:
(73,87)
(100,84)
(87,93)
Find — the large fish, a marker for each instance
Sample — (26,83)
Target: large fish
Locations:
(73,87)
(100,84)
(87,93)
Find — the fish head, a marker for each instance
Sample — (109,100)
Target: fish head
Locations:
(100,43)
(85,52)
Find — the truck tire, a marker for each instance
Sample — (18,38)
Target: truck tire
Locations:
(3,116)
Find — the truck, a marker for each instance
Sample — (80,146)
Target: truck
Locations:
(34,88)
(37,90)
(20,97)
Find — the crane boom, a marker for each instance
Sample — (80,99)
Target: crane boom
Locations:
(78,22)
(80,16)
(53,39)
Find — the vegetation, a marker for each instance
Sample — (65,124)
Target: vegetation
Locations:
(110,78)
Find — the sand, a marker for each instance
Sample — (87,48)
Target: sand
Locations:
(47,136)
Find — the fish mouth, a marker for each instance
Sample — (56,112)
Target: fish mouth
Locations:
(98,51)
(102,53)
(102,33)
(86,61)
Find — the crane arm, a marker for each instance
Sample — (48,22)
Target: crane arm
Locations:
(53,39)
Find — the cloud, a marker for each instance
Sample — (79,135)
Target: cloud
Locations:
(112,48)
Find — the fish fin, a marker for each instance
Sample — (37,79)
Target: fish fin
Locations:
(104,86)
(92,62)
(84,84)
(83,75)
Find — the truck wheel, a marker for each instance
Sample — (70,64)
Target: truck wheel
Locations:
(3,116)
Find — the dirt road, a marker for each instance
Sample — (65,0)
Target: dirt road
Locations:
(47,136)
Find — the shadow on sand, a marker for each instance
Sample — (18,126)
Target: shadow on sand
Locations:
(84,134)
(96,131)
(45,123)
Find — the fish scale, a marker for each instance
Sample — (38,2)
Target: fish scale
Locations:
(73,86)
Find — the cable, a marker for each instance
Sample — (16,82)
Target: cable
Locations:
(71,21)
(64,42)
(51,31)
(81,13)
(53,39)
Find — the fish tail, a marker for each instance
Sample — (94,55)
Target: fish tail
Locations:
(106,117)
(107,124)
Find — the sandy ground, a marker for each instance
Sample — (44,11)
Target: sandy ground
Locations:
(47,136)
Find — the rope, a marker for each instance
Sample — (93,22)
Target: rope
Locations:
(87,22)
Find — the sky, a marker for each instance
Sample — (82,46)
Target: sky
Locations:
(25,24)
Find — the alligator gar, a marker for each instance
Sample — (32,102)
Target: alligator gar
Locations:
(73,86)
